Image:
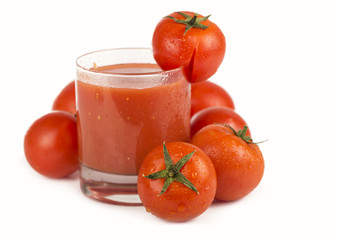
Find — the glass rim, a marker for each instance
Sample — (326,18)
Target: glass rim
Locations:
(143,74)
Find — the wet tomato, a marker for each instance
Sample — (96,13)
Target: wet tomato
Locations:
(212,115)
(187,39)
(50,145)
(176,182)
(238,161)
(208,94)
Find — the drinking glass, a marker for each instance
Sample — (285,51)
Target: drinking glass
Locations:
(126,106)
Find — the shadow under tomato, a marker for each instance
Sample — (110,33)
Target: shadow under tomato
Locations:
(218,203)
(73,177)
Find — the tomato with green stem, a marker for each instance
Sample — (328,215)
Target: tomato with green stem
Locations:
(176,182)
(189,40)
(50,145)
(237,159)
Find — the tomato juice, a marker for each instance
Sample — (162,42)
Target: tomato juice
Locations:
(120,120)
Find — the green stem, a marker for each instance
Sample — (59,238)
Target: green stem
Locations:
(172,172)
(190,22)
(241,133)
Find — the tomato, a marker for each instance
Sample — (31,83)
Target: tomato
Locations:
(186,39)
(50,145)
(65,101)
(207,94)
(238,162)
(172,192)
(217,115)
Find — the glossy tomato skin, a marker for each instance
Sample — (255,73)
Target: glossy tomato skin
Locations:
(200,50)
(65,101)
(217,115)
(208,94)
(239,165)
(178,203)
(50,145)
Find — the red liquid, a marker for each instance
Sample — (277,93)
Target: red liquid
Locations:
(119,126)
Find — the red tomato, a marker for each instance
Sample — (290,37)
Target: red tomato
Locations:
(217,115)
(238,162)
(200,50)
(170,198)
(51,145)
(207,94)
(65,101)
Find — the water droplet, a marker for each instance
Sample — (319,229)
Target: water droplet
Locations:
(172,212)
(194,175)
(181,207)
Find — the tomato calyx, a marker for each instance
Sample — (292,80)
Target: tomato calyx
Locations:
(172,172)
(190,22)
(241,134)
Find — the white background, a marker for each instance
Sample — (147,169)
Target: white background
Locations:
(280,69)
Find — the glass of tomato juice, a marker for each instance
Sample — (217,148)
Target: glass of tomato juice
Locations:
(126,107)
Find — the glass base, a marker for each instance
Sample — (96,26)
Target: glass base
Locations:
(108,187)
